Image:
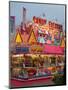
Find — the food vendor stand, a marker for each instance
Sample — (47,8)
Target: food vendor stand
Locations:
(38,58)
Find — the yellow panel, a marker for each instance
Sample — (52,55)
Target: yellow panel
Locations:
(63,43)
(18,38)
(32,38)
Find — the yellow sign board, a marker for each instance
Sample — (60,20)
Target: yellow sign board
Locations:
(62,43)
(18,38)
(32,38)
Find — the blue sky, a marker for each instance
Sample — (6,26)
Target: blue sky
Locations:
(52,12)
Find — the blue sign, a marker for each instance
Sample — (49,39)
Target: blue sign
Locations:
(22,50)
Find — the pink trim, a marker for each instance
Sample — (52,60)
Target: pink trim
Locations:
(53,49)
